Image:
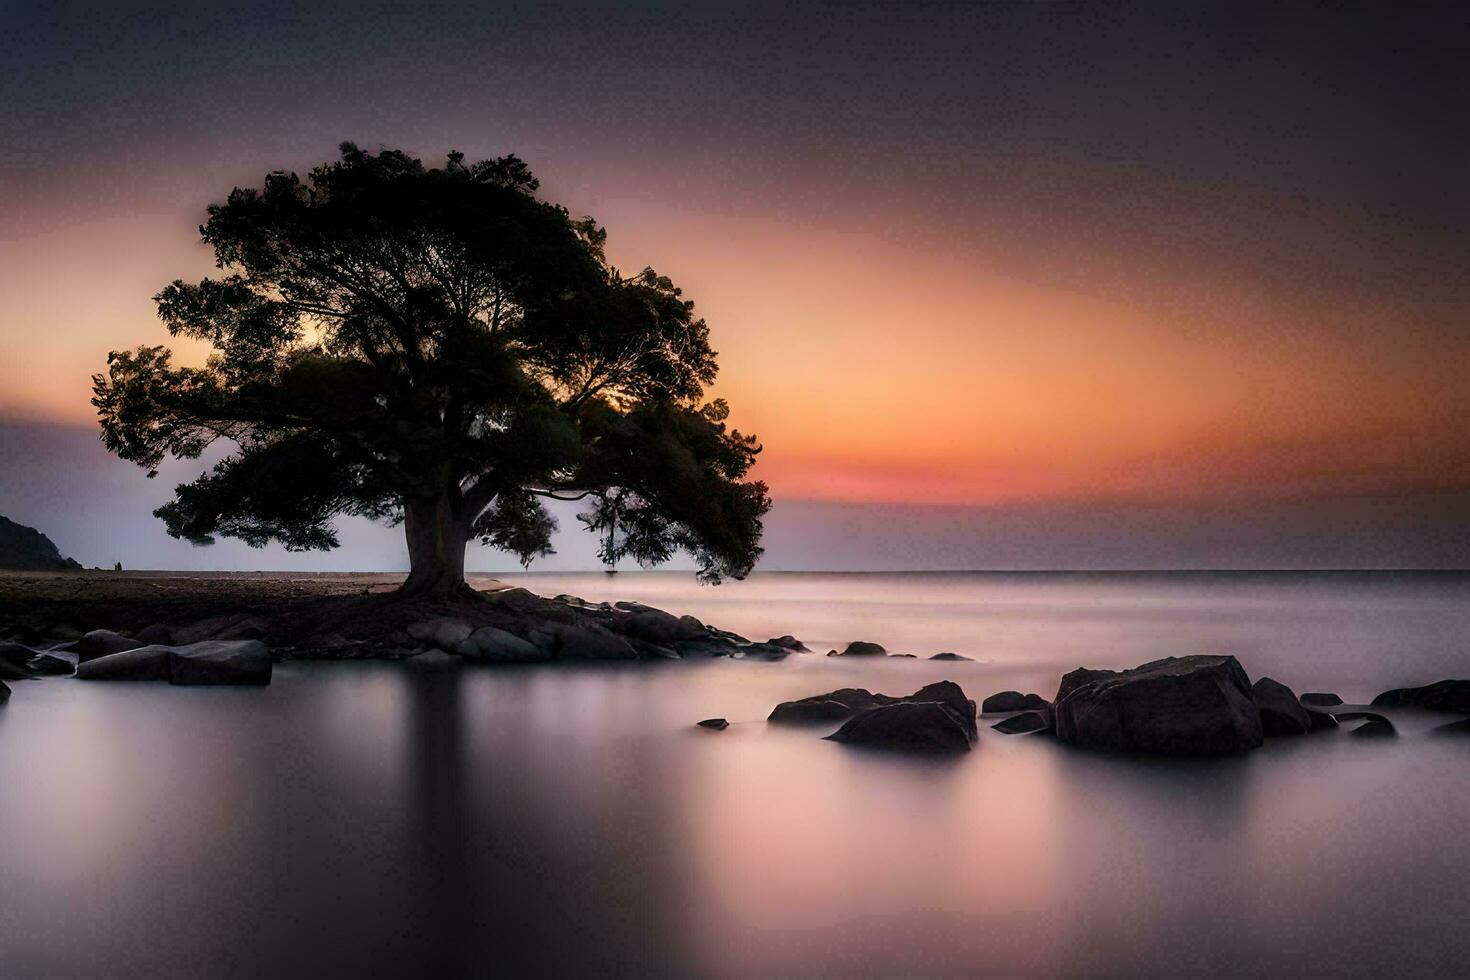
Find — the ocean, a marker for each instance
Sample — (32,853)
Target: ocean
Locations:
(572,820)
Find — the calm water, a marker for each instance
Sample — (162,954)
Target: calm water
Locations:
(376,818)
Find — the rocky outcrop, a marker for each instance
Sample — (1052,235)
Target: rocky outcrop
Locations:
(1319,700)
(208,662)
(1281,712)
(789,642)
(1013,701)
(860,648)
(1176,706)
(1453,695)
(937,718)
(950,656)
(1025,723)
(24,549)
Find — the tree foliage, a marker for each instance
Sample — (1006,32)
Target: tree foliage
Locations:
(440,344)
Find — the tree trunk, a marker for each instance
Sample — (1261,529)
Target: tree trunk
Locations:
(436,542)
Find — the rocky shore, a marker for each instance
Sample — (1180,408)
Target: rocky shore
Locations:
(230,630)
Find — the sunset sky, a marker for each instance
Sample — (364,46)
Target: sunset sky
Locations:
(1013,285)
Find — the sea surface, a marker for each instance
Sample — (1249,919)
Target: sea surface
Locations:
(377,818)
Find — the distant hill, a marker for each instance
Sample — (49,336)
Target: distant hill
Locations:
(25,549)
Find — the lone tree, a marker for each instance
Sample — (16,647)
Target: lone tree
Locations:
(441,347)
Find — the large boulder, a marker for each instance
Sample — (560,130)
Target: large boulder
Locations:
(490,643)
(220,662)
(908,726)
(1441,696)
(150,663)
(861,648)
(1196,705)
(1013,701)
(849,703)
(1281,712)
(102,643)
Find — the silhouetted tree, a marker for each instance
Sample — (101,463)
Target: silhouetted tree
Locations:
(437,346)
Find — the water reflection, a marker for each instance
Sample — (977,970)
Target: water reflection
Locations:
(374,818)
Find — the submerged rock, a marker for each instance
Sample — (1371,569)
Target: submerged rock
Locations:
(912,726)
(860,648)
(1013,701)
(102,643)
(718,724)
(1196,705)
(1451,695)
(1461,727)
(950,656)
(1320,720)
(1281,712)
(1025,723)
(1319,700)
(762,651)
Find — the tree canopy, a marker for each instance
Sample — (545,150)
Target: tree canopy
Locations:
(441,347)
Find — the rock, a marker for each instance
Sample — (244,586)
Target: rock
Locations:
(950,656)
(445,633)
(1441,696)
(1077,678)
(4,693)
(1320,720)
(652,651)
(230,627)
(861,648)
(15,653)
(1025,723)
(848,702)
(1013,701)
(1176,706)
(11,671)
(1376,728)
(435,659)
(47,665)
(1320,700)
(711,646)
(24,549)
(907,726)
(903,656)
(836,706)
(718,724)
(493,644)
(589,642)
(220,662)
(1281,712)
(155,634)
(789,642)
(150,663)
(1461,727)
(656,626)
(101,643)
(761,651)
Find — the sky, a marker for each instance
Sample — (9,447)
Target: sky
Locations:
(1021,285)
